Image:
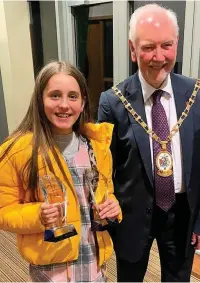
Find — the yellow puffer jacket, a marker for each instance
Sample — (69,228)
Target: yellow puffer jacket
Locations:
(19,215)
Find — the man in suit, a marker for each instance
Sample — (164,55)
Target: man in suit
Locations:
(156,176)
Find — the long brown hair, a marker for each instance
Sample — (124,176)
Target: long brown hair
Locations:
(36,122)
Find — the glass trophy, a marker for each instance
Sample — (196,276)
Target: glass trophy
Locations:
(55,193)
(97,224)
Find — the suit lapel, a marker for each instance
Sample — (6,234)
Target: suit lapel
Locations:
(133,93)
(181,95)
(135,98)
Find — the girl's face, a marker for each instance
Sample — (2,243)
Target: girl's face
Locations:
(62,102)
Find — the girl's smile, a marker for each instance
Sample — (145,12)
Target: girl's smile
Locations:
(63,102)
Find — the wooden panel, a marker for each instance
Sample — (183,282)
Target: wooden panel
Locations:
(13,268)
(95,62)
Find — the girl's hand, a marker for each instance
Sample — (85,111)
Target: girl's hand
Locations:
(109,209)
(49,213)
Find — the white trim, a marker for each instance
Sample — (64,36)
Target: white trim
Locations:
(72,3)
(65,32)
(65,24)
(91,2)
(120,40)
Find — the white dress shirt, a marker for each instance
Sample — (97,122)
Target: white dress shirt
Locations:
(168,102)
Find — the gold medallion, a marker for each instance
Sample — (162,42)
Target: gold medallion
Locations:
(164,163)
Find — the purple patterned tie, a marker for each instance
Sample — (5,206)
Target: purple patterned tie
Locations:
(164,186)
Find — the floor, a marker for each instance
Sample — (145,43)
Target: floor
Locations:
(196,266)
(153,271)
(14,269)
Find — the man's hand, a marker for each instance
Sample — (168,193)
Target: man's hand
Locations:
(196,241)
(109,209)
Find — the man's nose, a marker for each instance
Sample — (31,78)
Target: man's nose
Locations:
(158,54)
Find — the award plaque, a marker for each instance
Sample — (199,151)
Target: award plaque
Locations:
(97,224)
(55,193)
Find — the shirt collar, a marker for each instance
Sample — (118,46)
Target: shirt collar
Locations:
(147,89)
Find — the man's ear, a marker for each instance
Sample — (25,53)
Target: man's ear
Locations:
(132,50)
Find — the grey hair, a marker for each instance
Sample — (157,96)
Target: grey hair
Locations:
(139,11)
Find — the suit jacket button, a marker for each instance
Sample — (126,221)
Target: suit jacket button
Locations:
(149,210)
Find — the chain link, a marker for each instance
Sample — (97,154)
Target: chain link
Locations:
(141,122)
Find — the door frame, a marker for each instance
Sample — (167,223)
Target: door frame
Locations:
(65,22)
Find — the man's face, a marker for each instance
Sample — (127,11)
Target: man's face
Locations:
(155,47)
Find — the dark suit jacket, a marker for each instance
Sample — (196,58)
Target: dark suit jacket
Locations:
(133,180)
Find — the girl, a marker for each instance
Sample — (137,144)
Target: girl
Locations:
(58,139)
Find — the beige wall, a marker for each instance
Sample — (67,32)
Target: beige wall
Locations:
(15,60)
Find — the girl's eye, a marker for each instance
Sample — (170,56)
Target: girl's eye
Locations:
(55,95)
(73,96)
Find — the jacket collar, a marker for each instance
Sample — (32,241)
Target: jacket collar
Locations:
(133,93)
(101,133)
(182,91)
(100,136)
